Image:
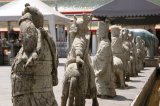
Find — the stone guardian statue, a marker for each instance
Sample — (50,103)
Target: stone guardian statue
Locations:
(79,78)
(103,63)
(34,70)
(124,33)
(118,56)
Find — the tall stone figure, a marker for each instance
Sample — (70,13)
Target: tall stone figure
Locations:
(103,63)
(139,54)
(79,78)
(118,56)
(124,33)
(34,70)
(132,55)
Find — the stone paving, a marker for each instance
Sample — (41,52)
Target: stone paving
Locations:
(123,98)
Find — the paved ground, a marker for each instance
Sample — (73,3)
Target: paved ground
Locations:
(123,98)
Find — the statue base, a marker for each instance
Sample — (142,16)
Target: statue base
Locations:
(151,62)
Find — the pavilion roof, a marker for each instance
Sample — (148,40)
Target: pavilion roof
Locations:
(127,8)
(129,12)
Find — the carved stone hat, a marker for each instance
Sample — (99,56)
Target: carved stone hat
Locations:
(25,17)
(37,16)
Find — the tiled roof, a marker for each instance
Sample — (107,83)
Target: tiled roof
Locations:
(121,8)
(75,5)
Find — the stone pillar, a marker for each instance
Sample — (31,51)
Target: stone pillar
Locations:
(94,44)
(51,28)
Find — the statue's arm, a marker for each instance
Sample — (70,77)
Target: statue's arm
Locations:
(54,54)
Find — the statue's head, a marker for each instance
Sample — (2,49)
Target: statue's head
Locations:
(131,36)
(80,26)
(138,38)
(124,33)
(28,33)
(115,31)
(37,16)
(102,31)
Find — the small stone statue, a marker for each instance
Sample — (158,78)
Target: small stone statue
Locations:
(34,70)
(124,33)
(139,54)
(144,53)
(103,63)
(118,56)
(79,78)
(132,55)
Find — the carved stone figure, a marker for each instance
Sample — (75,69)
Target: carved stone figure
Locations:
(132,54)
(138,53)
(151,41)
(79,78)
(103,63)
(118,56)
(144,52)
(124,33)
(34,70)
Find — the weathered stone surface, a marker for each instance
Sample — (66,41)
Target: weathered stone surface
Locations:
(124,33)
(151,62)
(103,63)
(118,56)
(79,78)
(34,70)
(132,55)
(139,54)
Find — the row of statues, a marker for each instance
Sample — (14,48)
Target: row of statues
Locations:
(34,70)
(117,60)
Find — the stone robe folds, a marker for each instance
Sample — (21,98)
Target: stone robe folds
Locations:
(32,83)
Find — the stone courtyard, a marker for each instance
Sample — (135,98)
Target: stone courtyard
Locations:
(137,88)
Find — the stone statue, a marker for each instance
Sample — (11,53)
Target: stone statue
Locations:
(144,53)
(103,63)
(151,41)
(118,56)
(34,70)
(79,78)
(124,33)
(138,53)
(132,55)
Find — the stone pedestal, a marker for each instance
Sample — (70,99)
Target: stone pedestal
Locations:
(151,62)
(158,58)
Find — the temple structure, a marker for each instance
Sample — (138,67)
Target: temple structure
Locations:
(78,7)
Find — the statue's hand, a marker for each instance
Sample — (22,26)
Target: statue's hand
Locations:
(98,73)
(29,63)
(79,62)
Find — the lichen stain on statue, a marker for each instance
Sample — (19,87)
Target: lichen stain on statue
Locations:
(34,70)
(118,56)
(79,79)
(103,64)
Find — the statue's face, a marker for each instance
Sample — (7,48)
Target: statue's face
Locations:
(29,36)
(82,26)
(115,32)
